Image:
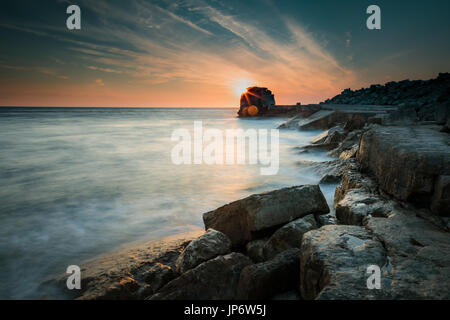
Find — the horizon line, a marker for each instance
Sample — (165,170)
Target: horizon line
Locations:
(130,107)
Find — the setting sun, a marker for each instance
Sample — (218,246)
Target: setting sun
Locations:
(240,86)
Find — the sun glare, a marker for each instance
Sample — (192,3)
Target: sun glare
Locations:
(240,86)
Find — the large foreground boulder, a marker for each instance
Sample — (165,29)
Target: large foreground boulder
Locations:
(266,279)
(210,245)
(245,219)
(407,161)
(334,261)
(215,279)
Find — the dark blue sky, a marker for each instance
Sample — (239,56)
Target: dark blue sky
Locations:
(201,53)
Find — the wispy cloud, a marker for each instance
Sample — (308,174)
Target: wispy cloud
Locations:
(152,45)
(41,70)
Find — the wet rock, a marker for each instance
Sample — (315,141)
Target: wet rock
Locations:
(352,178)
(291,123)
(334,261)
(288,236)
(335,134)
(156,277)
(356,121)
(332,168)
(330,178)
(406,160)
(350,153)
(244,220)
(129,273)
(350,142)
(357,204)
(254,249)
(125,289)
(210,245)
(320,146)
(264,280)
(215,279)
(326,219)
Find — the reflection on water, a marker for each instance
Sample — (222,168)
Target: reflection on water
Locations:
(78,182)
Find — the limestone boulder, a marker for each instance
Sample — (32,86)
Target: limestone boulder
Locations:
(406,161)
(334,261)
(358,204)
(210,245)
(352,178)
(288,236)
(245,220)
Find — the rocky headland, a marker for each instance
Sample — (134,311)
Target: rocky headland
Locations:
(391,210)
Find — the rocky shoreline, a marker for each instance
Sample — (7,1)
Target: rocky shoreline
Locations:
(391,210)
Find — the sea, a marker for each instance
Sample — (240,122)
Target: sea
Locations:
(76,183)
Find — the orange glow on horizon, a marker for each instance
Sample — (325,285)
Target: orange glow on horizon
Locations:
(240,86)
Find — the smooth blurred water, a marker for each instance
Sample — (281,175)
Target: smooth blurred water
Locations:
(77,182)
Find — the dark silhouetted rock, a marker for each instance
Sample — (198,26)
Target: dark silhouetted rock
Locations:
(416,100)
(264,280)
(157,276)
(262,98)
(215,279)
(441,198)
(254,249)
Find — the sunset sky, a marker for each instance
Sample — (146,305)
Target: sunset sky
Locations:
(145,53)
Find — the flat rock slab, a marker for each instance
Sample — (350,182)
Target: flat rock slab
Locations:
(407,161)
(215,279)
(419,253)
(334,261)
(318,120)
(359,108)
(325,119)
(243,220)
